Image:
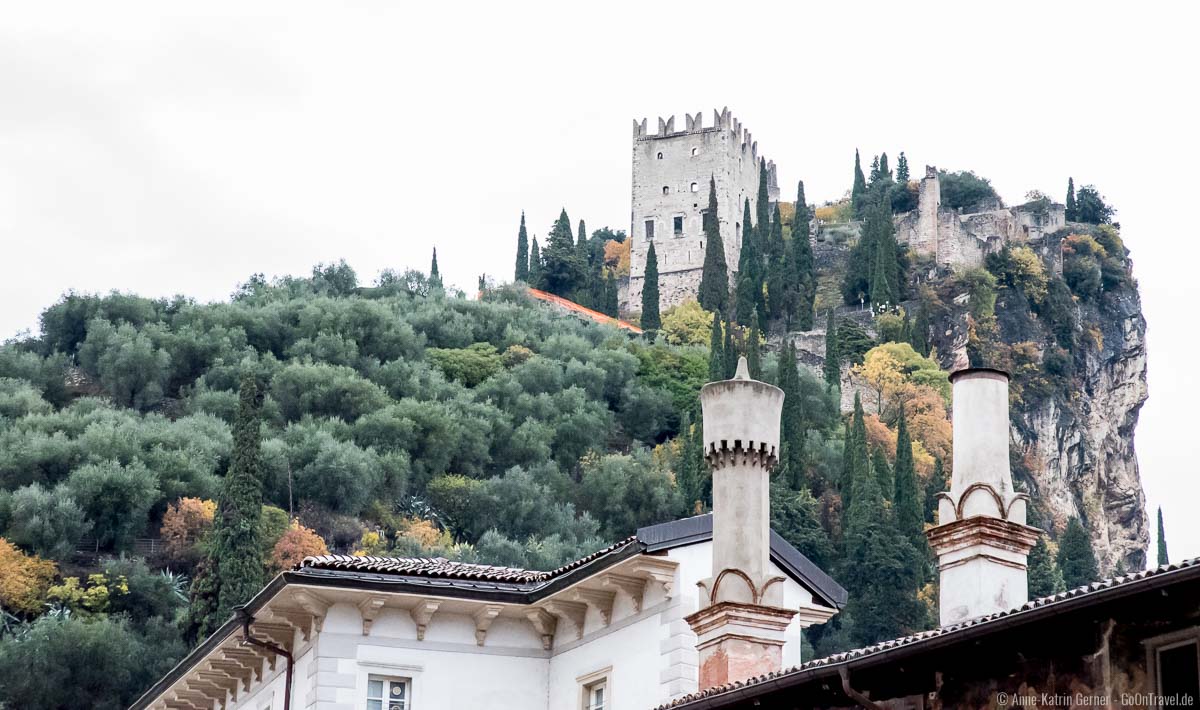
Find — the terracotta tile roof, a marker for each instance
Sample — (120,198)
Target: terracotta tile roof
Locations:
(441,568)
(574,307)
(1096,589)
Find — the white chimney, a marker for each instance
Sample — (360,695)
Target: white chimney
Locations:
(740,625)
(982,542)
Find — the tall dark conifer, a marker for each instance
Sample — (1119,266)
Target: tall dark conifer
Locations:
(935,485)
(1076,559)
(805,271)
(714,280)
(902,169)
(522,270)
(776,281)
(716,350)
(651,319)
(1163,558)
(791,424)
(233,565)
(754,350)
(535,265)
(748,278)
(883,474)
(1072,212)
(562,269)
(435,277)
(1044,576)
(908,501)
(859,191)
(833,359)
(730,350)
(762,208)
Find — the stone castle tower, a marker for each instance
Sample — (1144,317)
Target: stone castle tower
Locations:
(671,171)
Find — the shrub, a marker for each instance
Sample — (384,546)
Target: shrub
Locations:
(184,524)
(116,499)
(47,522)
(24,579)
(687,324)
(296,543)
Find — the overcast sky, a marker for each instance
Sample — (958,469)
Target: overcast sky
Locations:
(152,149)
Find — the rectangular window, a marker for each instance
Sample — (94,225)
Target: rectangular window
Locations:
(595,696)
(649,229)
(594,690)
(387,693)
(1179,673)
(679,225)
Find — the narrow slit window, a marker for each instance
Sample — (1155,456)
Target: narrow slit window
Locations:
(679,225)
(649,229)
(695,187)
(666,190)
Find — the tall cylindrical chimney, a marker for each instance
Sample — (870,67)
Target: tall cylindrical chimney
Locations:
(741,623)
(981,541)
(980,430)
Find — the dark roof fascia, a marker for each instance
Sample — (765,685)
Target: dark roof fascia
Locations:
(793,679)
(697,529)
(209,644)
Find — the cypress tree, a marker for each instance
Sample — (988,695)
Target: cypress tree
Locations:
(791,423)
(856,458)
(833,359)
(714,280)
(651,320)
(883,473)
(860,185)
(1076,559)
(691,463)
(880,567)
(611,295)
(234,567)
(535,265)
(1044,576)
(885,174)
(919,337)
(763,206)
(906,501)
(804,267)
(1163,559)
(716,351)
(754,351)
(522,270)
(730,350)
(936,484)
(776,254)
(902,169)
(749,280)
(1072,206)
(434,276)
(874,177)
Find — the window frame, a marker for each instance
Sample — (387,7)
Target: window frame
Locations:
(588,682)
(648,229)
(1165,642)
(388,681)
(681,221)
(388,671)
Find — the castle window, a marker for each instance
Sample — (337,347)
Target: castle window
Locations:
(695,152)
(737,232)
(695,187)
(660,156)
(649,229)
(679,225)
(666,190)
(594,690)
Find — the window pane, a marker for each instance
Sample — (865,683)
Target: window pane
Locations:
(375,689)
(1179,669)
(374,705)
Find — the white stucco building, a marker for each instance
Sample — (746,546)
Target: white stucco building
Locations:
(606,631)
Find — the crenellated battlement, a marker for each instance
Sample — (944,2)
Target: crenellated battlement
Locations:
(723,120)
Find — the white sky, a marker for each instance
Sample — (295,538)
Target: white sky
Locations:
(162,149)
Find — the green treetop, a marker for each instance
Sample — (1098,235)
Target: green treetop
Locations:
(763,206)
(1072,206)
(860,185)
(435,276)
(902,169)
(562,269)
(1076,559)
(833,359)
(716,350)
(535,265)
(1044,576)
(907,502)
(883,473)
(791,423)
(234,563)
(714,280)
(754,350)
(522,270)
(1163,559)
(804,267)
(651,319)
(776,257)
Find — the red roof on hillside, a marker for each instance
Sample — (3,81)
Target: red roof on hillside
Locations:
(580,310)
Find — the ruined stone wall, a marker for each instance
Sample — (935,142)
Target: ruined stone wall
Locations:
(671,171)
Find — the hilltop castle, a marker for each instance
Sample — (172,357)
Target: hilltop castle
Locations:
(671,171)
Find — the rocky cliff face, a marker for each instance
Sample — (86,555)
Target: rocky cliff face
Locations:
(1078,361)
(1074,450)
